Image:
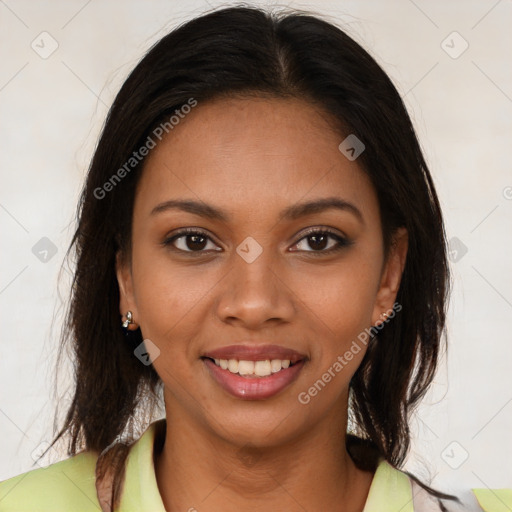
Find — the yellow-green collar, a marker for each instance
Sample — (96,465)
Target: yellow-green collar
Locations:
(390,489)
(70,485)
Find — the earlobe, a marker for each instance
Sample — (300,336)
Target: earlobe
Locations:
(391,276)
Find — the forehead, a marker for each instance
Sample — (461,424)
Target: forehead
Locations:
(244,152)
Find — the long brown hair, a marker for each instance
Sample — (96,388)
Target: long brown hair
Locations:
(230,52)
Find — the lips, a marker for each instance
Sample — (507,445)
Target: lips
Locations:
(252,387)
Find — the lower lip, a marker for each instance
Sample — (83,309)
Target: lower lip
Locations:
(253,388)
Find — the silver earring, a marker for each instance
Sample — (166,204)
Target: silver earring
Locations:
(128,321)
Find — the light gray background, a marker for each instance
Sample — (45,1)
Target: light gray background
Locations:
(53,108)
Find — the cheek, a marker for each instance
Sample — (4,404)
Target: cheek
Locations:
(340,300)
(339,308)
(168,296)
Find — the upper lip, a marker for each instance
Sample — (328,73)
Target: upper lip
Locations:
(255,353)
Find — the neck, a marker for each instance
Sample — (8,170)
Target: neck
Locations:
(196,469)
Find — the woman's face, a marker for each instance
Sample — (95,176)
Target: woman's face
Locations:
(258,182)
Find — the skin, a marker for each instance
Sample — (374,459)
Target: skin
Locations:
(252,158)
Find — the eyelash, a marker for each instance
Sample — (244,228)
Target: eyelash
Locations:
(341,241)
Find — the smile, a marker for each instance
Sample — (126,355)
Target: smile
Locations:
(253,368)
(253,380)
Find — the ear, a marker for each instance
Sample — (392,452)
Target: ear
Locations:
(391,276)
(126,296)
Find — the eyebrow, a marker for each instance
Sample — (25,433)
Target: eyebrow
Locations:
(291,213)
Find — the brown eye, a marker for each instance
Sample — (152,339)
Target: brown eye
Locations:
(318,242)
(195,242)
(190,241)
(322,241)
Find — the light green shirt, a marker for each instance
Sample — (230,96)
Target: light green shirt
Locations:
(69,486)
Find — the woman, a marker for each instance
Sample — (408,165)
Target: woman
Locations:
(259,238)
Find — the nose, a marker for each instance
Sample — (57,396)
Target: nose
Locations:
(255,294)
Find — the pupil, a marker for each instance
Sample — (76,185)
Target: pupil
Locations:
(319,245)
(196,240)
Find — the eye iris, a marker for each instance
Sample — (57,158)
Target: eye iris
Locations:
(197,242)
(196,239)
(319,241)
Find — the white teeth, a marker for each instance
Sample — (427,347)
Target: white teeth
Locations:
(257,368)
(275,365)
(262,368)
(246,367)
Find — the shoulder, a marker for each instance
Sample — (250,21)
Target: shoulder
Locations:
(70,485)
(396,488)
(62,486)
(494,500)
